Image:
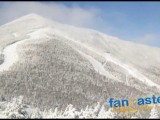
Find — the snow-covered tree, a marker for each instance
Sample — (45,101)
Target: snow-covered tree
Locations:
(97,109)
(102,113)
(110,114)
(17,108)
(154,113)
(106,114)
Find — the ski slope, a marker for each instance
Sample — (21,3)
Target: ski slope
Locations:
(132,71)
(10,56)
(98,66)
(10,52)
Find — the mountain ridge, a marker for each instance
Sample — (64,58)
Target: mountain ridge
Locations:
(40,18)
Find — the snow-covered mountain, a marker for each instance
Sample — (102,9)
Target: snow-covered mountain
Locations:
(54,64)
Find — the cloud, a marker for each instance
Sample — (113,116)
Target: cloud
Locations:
(90,16)
(74,15)
(149,39)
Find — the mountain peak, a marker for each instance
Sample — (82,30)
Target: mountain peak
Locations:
(32,15)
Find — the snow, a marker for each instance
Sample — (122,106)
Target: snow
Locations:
(95,41)
(15,34)
(10,52)
(111,48)
(16,108)
(40,33)
(122,51)
(29,16)
(98,66)
(132,71)
(10,56)
(154,113)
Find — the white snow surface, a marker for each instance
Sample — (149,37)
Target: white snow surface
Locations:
(10,56)
(10,52)
(98,66)
(15,34)
(132,71)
